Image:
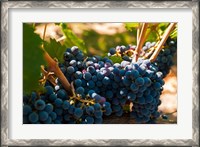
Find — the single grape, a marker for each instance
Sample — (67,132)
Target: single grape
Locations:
(48,108)
(90,110)
(164,117)
(70,70)
(139,81)
(43,115)
(98,120)
(33,117)
(52,97)
(26,109)
(112,51)
(106,80)
(98,114)
(97,106)
(78,112)
(87,76)
(80,90)
(131,96)
(78,82)
(58,102)
(80,56)
(66,105)
(133,87)
(78,75)
(89,120)
(39,104)
(49,90)
(67,117)
(62,94)
(53,115)
(157,85)
(91,69)
(48,121)
(108,111)
(90,84)
(59,111)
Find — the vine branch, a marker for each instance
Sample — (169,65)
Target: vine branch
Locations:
(162,42)
(53,66)
(138,32)
(140,42)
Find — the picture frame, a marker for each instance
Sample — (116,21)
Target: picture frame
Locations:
(5,107)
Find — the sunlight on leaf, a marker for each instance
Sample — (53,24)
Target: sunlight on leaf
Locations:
(130,26)
(72,39)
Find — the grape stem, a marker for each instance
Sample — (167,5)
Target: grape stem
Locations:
(82,100)
(140,42)
(150,51)
(48,76)
(162,42)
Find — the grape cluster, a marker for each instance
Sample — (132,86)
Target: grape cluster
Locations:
(119,83)
(101,88)
(164,61)
(56,107)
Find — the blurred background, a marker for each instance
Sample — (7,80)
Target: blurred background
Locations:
(98,39)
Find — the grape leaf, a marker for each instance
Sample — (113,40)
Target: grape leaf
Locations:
(115,59)
(131,26)
(162,27)
(72,39)
(173,34)
(32,59)
(152,36)
(55,49)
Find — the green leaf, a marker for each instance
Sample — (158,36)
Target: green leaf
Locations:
(173,34)
(152,36)
(162,27)
(32,59)
(55,49)
(131,26)
(115,59)
(72,39)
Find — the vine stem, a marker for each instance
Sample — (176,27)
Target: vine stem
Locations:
(140,42)
(138,32)
(162,42)
(53,66)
